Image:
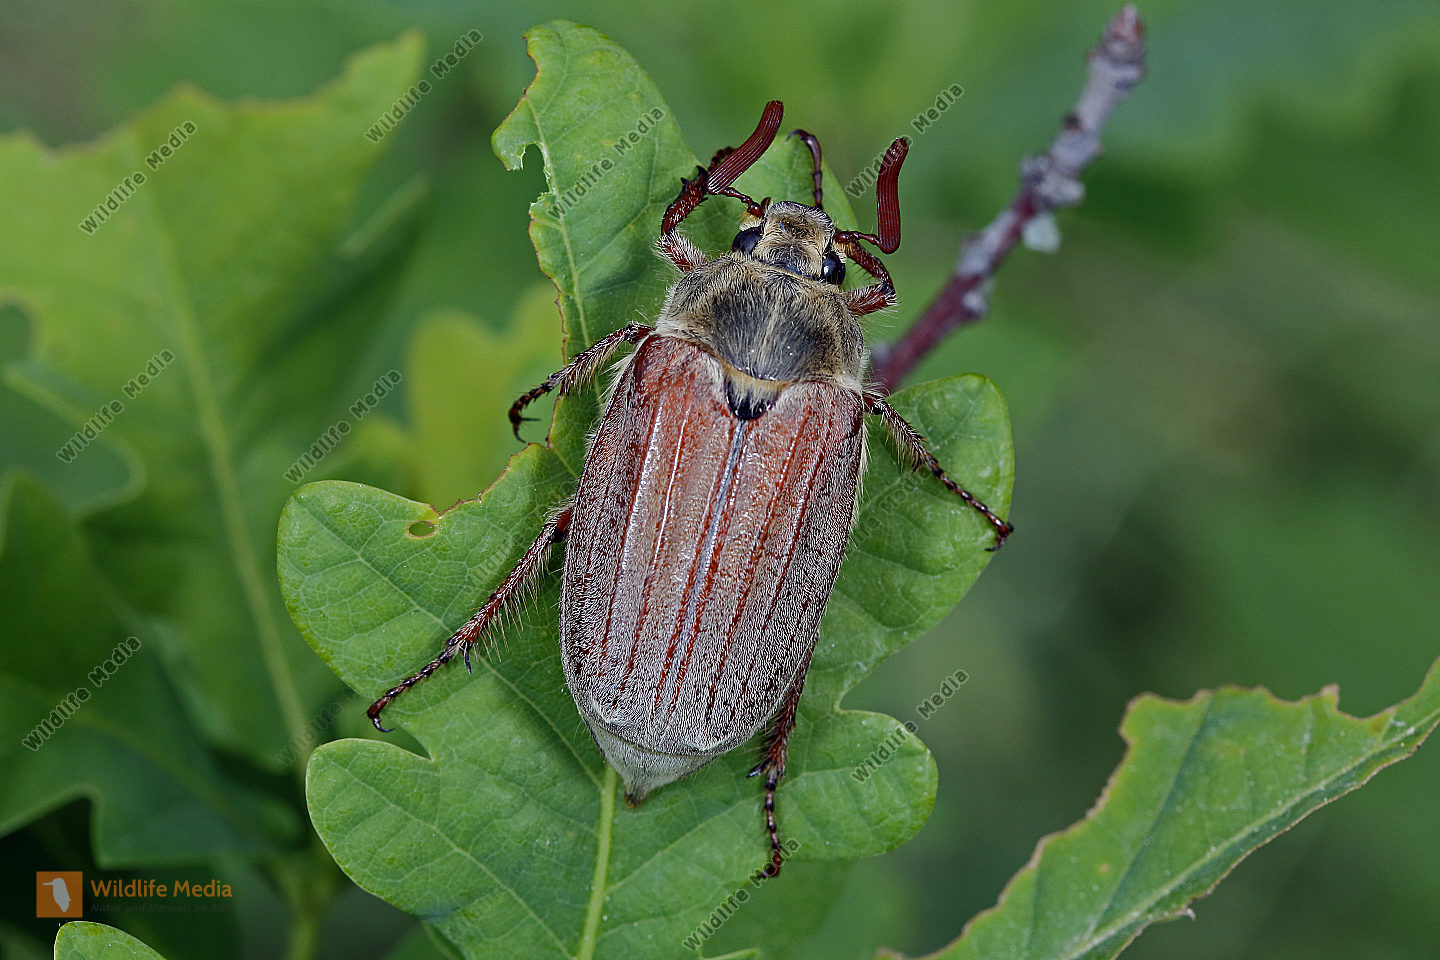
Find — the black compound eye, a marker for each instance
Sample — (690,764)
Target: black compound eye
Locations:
(745,240)
(831,269)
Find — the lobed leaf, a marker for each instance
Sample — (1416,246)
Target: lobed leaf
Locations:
(189,300)
(158,795)
(1203,783)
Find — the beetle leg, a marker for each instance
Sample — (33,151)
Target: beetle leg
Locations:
(680,250)
(877,296)
(772,764)
(869,299)
(912,446)
(579,370)
(467,636)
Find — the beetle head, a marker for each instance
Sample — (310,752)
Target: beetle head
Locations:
(796,238)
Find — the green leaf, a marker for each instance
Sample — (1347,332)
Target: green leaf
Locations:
(461,437)
(82,940)
(509,837)
(588,96)
(209,279)
(1203,783)
(122,739)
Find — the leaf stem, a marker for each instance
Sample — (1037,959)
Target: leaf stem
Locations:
(602,865)
(307,880)
(304,937)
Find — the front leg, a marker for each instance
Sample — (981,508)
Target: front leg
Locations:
(912,446)
(579,370)
(680,250)
(877,296)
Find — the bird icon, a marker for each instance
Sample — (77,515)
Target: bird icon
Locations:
(60,892)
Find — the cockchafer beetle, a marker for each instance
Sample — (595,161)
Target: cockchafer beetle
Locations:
(720,487)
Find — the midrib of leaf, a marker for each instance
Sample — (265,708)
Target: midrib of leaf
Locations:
(699,825)
(222,470)
(1159,812)
(598,883)
(602,865)
(1138,914)
(564,230)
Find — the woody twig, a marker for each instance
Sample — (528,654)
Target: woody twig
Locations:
(1048,181)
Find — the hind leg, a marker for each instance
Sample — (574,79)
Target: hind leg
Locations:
(772,764)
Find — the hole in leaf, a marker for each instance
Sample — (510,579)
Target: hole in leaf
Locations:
(421,529)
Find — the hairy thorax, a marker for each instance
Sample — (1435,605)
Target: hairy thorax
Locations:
(768,327)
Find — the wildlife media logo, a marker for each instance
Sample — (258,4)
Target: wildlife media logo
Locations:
(59,893)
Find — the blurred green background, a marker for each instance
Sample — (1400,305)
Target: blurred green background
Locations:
(1225,390)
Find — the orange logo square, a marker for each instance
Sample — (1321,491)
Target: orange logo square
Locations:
(59,893)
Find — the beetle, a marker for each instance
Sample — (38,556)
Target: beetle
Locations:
(720,486)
